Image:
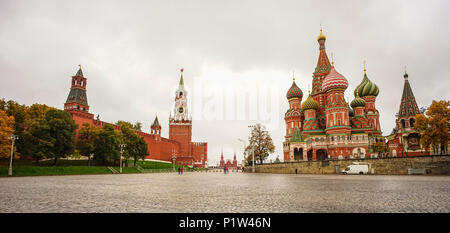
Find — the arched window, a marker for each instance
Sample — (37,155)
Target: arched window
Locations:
(411,122)
(403,123)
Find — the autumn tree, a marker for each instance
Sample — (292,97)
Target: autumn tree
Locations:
(87,138)
(260,144)
(434,126)
(380,147)
(6,129)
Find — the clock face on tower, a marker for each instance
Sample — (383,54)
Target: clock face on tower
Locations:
(180,109)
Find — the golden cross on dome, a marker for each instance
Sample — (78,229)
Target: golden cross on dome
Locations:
(79,65)
(364,62)
(332,59)
(293,75)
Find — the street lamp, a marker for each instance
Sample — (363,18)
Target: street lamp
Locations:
(121,152)
(13,138)
(173,159)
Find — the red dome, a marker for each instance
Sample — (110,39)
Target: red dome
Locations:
(334,80)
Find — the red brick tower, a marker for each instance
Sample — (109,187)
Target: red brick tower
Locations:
(323,68)
(76,104)
(222,162)
(180,124)
(234,160)
(155,129)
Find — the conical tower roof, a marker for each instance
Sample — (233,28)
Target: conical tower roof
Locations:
(156,122)
(79,72)
(408,105)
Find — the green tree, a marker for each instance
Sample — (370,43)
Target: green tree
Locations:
(142,150)
(87,138)
(107,145)
(260,143)
(62,130)
(137,126)
(136,147)
(38,141)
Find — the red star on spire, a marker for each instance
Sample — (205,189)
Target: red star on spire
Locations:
(182,70)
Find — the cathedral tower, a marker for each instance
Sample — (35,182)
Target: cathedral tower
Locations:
(322,69)
(368,91)
(293,114)
(336,110)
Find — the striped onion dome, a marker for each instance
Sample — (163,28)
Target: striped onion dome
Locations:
(358,102)
(310,103)
(294,92)
(334,80)
(366,87)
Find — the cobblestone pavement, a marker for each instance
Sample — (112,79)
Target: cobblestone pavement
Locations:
(217,192)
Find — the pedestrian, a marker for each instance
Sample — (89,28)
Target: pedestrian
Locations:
(179,171)
(296,171)
(182,170)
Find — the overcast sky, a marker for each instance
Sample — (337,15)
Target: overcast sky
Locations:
(131,53)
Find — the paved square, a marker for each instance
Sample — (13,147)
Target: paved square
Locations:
(217,192)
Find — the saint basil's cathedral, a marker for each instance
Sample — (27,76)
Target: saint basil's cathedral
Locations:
(178,148)
(324,126)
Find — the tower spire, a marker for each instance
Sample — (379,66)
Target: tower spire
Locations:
(80,72)
(181,79)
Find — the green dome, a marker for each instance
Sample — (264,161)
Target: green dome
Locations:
(310,103)
(358,102)
(366,88)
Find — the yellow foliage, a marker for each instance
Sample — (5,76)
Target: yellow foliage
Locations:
(6,129)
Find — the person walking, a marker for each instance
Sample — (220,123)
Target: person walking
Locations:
(296,171)
(181,170)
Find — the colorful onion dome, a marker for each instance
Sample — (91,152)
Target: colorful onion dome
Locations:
(294,92)
(334,80)
(321,36)
(358,102)
(366,87)
(310,103)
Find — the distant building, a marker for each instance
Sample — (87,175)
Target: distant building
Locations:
(228,163)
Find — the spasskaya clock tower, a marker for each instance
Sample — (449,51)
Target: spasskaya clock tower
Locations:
(180,123)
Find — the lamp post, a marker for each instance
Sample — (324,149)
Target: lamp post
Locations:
(13,138)
(121,152)
(173,159)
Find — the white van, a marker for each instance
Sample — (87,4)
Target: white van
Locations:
(356,169)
